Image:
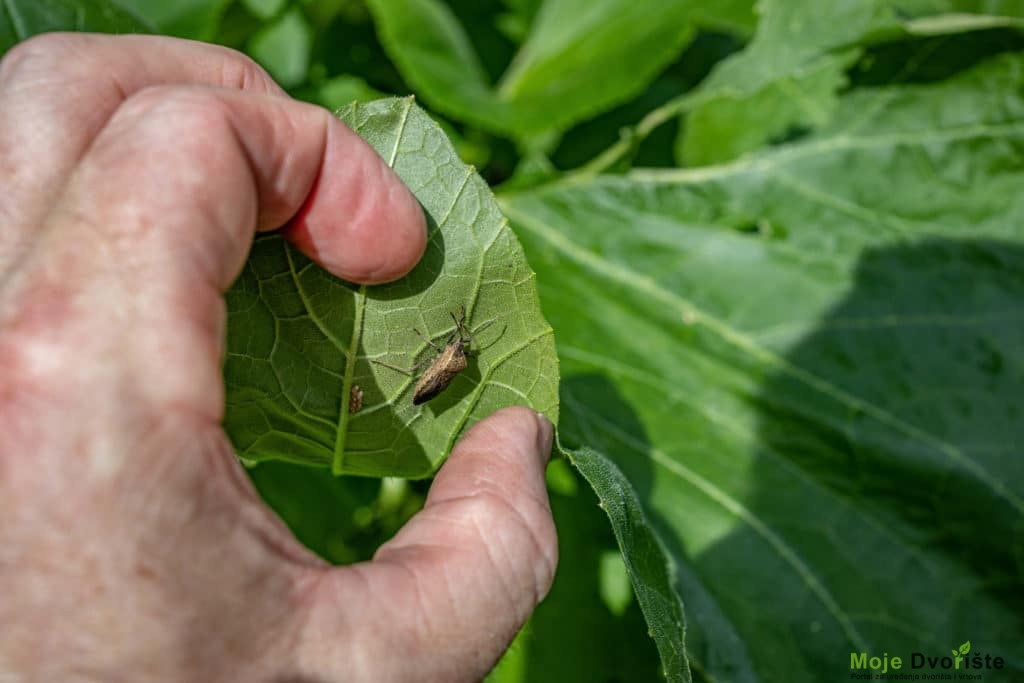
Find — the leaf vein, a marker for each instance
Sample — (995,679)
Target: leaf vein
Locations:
(777,158)
(747,344)
(400,132)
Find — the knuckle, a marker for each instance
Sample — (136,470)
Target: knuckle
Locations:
(186,125)
(47,54)
(34,360)
(171,108)
(49,46)
(187,129)
(239,72)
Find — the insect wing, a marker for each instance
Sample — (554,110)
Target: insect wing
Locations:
(430,385)
(440,374)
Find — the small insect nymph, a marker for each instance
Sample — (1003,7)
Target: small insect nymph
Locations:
(355,399)
(449,362)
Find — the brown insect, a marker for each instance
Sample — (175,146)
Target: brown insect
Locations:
(449,362)
(355,399)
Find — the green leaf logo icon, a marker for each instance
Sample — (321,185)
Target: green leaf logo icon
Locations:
(958,656)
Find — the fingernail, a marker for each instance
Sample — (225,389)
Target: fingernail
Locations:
(545,434)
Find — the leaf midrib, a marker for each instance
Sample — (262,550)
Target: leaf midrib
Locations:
(730,504)
(820,147)
(348,351)
(721,497)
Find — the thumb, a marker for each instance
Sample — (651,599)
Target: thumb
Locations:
(443,599)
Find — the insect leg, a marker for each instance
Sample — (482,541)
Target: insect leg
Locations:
(407,371)
(428,340)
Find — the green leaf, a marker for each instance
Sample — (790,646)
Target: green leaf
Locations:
(300,340)
(616,589)
(791,74)
(733,16)
(194,19)
(283,48)
(644,556)
(326,516)
(807,363)
(339,91)
(579,58)
(20,19)
(965,648)
(265,9)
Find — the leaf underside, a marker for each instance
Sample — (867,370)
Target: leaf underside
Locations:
(301,341)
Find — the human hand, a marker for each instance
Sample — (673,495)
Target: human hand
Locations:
(132,546)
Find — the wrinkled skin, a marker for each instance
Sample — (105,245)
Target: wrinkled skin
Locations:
(135,171)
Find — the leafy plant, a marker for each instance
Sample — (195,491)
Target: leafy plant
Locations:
(787,297)
(20,20)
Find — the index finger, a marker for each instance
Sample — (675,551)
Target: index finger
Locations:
(58,91)
(156,217)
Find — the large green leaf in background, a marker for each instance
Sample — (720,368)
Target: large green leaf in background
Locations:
(283,48)
(815,358)
(790,75)
(196,19)
(579,57)
(299,339)
(20,19)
